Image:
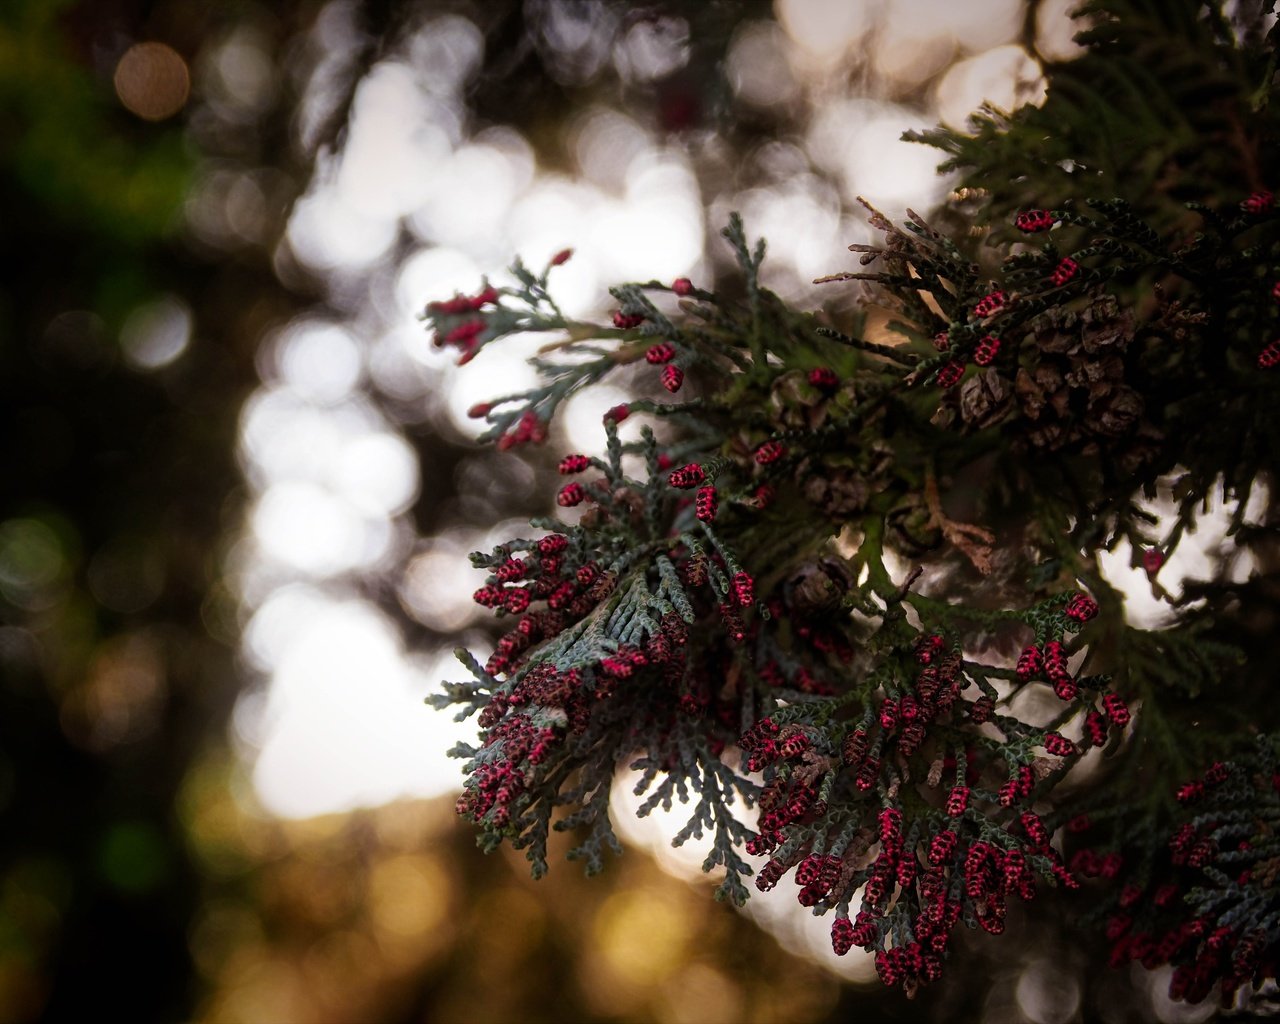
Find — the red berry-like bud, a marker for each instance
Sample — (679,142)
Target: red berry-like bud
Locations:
(672,378)
(1030,662)
(854,748)
(1190,793)
(764,495)
(1065,271)
(1034,828)
(1033,221)
(687,477)
(824,379)
(769,452)
(1269,356)
(480,410)
(488,596)
(743,589)
(942,342)
(889,714)
(1113,704)
(1066,689)
(982,709)
(571,464)
(618,413)
(989,303)
(949,376)
(1056,743)
(1258,202)
(624,322)
(570,495)
(705,504)
(941,847)
(561,258)
(985,352)
(1082,608)
(682,286)
(663,352)
(552,543)
(957,801)
(842,936)
(1152,560)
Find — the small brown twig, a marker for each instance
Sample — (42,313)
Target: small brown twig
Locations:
(959,534)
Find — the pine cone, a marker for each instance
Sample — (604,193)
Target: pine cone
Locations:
(842,486)
(985,399)
(1076,394)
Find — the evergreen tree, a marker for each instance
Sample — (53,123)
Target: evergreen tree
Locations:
(850,575)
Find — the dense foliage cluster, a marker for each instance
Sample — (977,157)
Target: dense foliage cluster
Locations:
(850,578)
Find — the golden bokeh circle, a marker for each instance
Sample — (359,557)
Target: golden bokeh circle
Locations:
(152,81)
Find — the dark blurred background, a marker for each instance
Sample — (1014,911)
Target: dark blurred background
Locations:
(239,486)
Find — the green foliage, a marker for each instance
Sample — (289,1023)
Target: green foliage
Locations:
(756,641)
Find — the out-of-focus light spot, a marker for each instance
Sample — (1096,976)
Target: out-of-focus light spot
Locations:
(975,26)
(245,208)
(799,932)
(500,369)
(156,334)
(378,473)
(469,200)
(657,232)
(31,561)
(308,528)
(1047,994)
(436,587)
(446,52)
(653,48)
(905,54)
(237,76)
(152,81)
(555,214)
(700,993)
(121,697)
(860,140)
(653,832)
(824,29)
(283,436)
(1004,77)
(393,152)
(326,232)
(280,622)
(575,38)
(1166,1009)
(807,235)
(778,913)
(757,66)
(1200,555)
(582,417)
(1056,30)
(320,361)
(345,723)
(604,142)
(395,366)
(430,275)
(408,897)
(625,927)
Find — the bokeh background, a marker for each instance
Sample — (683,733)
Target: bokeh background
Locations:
(239,486)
